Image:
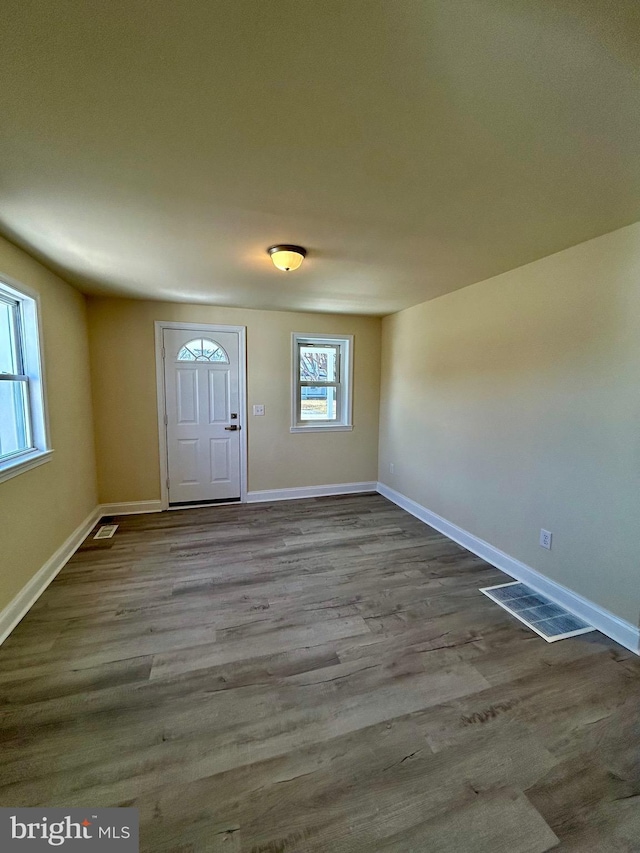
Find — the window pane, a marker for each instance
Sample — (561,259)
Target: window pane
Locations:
(318,363)
(7,343)
(201,349)
(318,403)
(14,426)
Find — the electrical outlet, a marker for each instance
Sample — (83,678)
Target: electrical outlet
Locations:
(258,409)
(545,539)
(391,467)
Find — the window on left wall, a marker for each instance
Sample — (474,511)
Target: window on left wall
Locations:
(23,423)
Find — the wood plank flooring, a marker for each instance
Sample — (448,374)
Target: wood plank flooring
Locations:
(314,675)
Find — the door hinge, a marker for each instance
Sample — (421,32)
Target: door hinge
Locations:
(168,484)
(163,353)
(166,419)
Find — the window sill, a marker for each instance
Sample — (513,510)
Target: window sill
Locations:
(12,467)
(328,428)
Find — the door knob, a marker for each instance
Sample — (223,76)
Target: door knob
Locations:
(232,428)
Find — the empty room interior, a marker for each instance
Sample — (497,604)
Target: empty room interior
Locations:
(319,426)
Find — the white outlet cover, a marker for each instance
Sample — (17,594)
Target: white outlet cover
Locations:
(545,539)
(258,409)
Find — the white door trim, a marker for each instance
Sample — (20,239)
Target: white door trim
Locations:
(160,326)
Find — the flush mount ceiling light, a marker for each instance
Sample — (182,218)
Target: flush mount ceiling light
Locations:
(287,258)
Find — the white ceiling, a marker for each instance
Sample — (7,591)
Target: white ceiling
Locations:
(155,149)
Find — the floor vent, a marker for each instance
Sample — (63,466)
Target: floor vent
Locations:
(106,531)
(537,612)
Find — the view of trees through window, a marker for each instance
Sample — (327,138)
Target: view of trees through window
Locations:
(318,372)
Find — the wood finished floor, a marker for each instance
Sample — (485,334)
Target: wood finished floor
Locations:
(315,675)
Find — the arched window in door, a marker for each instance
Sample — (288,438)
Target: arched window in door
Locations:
(202,349)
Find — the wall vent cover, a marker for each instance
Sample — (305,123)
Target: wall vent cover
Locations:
(542,615)
(106,531)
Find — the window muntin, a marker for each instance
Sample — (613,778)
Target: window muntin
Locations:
(23,439)
(321,382)
(202,349)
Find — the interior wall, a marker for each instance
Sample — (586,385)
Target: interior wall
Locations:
(124,395)
(513,405)
(41,508)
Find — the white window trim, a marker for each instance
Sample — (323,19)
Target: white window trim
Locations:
(31,338)
(346,422)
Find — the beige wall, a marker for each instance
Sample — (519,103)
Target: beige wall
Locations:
(514,404)
(507,406)
(124,393)
(41,508)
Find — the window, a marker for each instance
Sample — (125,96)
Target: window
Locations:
(321,383)
(23,441)
(200,349)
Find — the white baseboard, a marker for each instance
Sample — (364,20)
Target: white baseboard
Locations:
(31,592)
(617,629)
(130,508)
(310,492)
(608,623)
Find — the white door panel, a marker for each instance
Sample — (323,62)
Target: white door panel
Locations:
(219,394)
(220,460)
(187,395)
(201,375)
(188,464)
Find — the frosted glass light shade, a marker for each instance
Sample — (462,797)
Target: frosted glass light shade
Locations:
(287,258)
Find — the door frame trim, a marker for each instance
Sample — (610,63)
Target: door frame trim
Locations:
(159,327)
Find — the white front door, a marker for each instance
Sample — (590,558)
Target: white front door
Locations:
(201,380)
